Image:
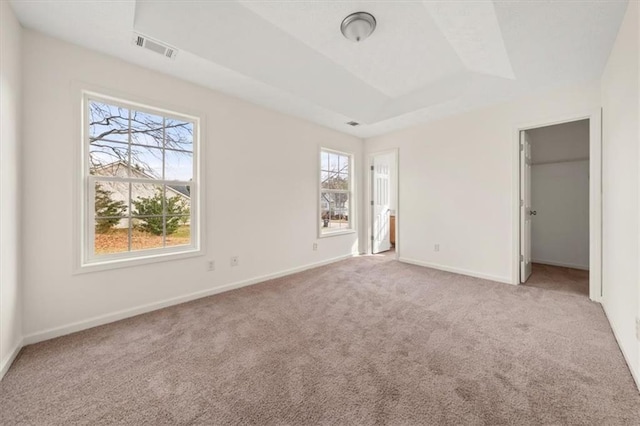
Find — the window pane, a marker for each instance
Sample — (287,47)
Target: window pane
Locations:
(178,166)
(147,129)
(146,162)
(341,202)
(178,200)
(325,209)
(181,191)
(115,240)
(147,199)
(343,181)
(334,162)
(344,164)
(336,181)
(334,211)
(324,180)
(178,135)
(324,161)
(147,233)
(108,159)
(150,200)
(178,230)
(111,199)
(111,217)
(108,122)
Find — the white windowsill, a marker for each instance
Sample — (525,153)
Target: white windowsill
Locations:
(105,265)
(336,233)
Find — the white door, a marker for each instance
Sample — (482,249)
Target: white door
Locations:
(381,202)
(525,207)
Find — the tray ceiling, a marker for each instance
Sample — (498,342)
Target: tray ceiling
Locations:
(426,59)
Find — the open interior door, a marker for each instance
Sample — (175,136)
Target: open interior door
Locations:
(381,202)
(525,207)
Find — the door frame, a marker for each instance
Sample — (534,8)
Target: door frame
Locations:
(596,289)
(369,197)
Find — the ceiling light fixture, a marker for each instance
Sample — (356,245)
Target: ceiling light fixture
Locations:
(358,26)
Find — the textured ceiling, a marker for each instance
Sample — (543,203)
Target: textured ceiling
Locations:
(404,54)
(426,59)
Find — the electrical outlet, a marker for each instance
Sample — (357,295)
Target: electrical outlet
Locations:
(315,246)
(211,265)
(436,247)
(235,260)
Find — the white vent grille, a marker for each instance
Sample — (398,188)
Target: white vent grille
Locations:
(155,46)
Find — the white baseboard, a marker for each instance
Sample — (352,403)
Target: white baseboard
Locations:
(563,264)
(6,363)
(460,271)
(127,313)
(627,358)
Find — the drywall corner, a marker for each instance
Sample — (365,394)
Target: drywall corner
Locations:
(10,141)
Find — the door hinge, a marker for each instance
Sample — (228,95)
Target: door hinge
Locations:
(371,168)
(521,203)
(521,147)
(372,238)
(371,202)
(521,258)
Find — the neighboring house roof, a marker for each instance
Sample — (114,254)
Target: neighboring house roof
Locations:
(182,189)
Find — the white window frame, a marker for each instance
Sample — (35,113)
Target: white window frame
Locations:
(89,261)
(352,226)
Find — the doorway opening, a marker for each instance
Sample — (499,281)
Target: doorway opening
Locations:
(383,184)
(555,186)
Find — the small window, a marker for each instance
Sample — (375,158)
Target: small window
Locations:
(140,181)
(336,192)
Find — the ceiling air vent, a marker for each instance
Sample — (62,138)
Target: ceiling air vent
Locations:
(155,46)
(353,123)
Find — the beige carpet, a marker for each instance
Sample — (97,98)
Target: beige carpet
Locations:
(364,341)
(557,278)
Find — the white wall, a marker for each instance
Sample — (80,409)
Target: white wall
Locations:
(560,228)
(10,98)
(620,98)
(261,171)
(458,186)
(560,194)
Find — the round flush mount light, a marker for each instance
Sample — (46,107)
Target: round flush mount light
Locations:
(358,26)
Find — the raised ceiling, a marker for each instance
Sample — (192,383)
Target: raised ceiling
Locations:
(426,59)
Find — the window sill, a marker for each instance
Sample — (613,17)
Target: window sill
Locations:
(336,233)
(119,263)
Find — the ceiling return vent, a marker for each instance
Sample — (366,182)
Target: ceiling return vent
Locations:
(155,46)
(353,123)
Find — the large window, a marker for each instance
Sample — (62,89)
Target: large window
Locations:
(140,181)
(335,192)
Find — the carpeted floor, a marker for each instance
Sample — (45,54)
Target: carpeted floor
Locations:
(364,341)
(557,278)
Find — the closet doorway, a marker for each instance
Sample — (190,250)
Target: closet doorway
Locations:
(555,206)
